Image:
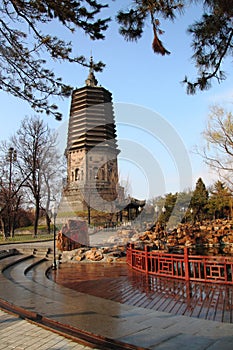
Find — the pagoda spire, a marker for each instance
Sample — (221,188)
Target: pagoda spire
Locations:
(91,79)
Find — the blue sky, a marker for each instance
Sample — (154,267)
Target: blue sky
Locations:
(138,77)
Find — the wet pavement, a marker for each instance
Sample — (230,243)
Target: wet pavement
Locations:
(25,284)
(118,282)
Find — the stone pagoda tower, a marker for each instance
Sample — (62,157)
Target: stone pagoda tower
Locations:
(92,170)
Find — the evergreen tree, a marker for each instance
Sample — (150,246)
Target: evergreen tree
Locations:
(133,20)
(181,211)
(170,201)
(199,200)
(219,204)
(212,35)
(212,41)
(26,40)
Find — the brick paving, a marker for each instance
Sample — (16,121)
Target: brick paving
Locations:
(19,334)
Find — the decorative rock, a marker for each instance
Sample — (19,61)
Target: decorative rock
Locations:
(73,235)
(79,257)
(94,255)
(204,234)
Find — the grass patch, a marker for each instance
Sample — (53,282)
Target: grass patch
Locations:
(26,234)
(26,238)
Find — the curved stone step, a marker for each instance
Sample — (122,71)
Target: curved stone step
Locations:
(8,252)
(11,260)
(55,306)
(42,251)
(35,297)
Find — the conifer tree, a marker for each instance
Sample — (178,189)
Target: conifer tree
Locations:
(212,35)
(212,42)
(219,204)
(26,39)
(199,200)
(27,42)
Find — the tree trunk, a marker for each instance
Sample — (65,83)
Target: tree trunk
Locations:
(37,213)
(14,216)
(4,229)
(48,223)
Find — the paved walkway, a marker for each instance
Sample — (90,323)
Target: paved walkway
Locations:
(26,285)
(19,334)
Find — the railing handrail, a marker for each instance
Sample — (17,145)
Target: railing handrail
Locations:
(214,269)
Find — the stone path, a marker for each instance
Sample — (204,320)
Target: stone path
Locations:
(18,334)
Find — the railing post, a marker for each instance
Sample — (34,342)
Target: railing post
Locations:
(146,248)
(186,263)
(131,253)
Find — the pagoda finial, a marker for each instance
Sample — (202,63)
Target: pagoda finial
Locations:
(91,79)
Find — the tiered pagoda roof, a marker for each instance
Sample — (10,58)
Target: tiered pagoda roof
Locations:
(91,120)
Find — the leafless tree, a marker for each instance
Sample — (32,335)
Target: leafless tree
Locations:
(217,151)
(38,162)
(10,189)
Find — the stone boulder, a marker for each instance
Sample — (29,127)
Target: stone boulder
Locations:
(73,235)
(94,255)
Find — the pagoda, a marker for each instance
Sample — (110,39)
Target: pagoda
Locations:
(91,152)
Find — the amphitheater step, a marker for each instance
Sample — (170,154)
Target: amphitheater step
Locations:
(43,252)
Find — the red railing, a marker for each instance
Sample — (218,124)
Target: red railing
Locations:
(217,269)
